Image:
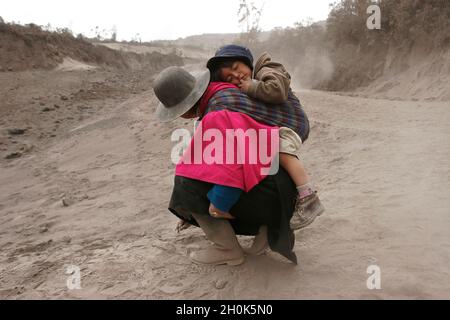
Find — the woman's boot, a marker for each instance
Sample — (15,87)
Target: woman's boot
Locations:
(226,248)
(260,243)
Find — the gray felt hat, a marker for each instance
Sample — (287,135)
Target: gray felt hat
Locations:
(178,91)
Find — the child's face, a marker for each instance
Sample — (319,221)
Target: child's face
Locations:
(237,72)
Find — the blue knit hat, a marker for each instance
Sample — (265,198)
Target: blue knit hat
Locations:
(231,51)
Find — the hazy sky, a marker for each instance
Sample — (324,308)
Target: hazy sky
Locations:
(161,19)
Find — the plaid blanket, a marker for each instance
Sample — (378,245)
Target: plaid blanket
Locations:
(289,114)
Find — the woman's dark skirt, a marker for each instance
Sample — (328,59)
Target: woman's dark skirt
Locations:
(269,203)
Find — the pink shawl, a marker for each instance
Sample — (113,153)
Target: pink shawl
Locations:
(229,148)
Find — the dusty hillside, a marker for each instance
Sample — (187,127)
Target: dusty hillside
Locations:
(80,79)
(30,48)
(408,58)
(189,53)
(209,41)
(418,76)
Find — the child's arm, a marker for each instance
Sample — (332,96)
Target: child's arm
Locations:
(271,82)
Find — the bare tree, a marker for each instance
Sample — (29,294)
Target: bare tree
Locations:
(249,16)
(114,33)
(136,38)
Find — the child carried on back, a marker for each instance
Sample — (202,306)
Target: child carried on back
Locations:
(270,84)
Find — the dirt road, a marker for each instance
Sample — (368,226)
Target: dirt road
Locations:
(95,196)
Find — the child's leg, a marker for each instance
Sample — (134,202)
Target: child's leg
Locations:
(295,168)
(222,200)
(290,145)
(297,172)
(308,205)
